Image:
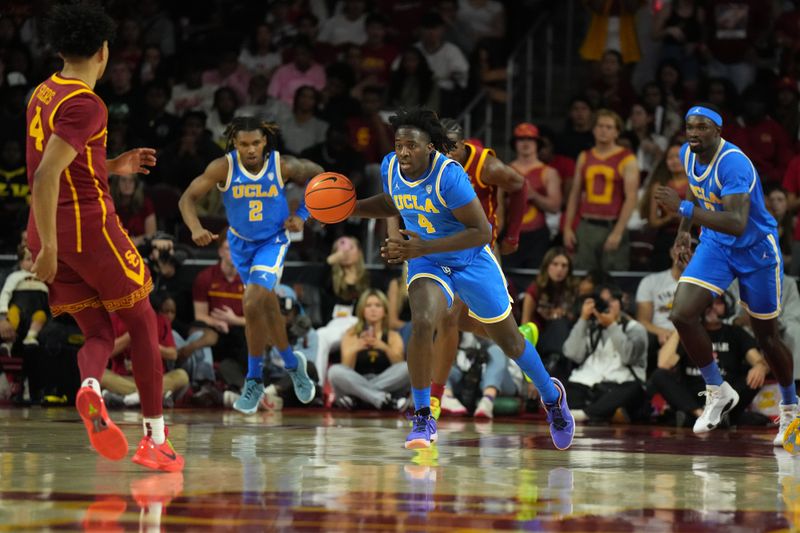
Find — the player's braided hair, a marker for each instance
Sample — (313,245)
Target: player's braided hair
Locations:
(79,30)
(269,129)
(424,120)
(451,125)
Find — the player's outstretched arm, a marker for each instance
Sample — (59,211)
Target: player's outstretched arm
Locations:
(378,206)
(216,172)
(58,154)
(476,232)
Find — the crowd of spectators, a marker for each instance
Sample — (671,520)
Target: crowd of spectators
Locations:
(328,73)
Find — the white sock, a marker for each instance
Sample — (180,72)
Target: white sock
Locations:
(93,383)
(155,428)
(132,399)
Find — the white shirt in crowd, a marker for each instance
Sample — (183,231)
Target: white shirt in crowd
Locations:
(659,289)
(619,356)
(448,64)
(339,30)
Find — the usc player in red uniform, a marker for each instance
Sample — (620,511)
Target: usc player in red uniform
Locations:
(82,253)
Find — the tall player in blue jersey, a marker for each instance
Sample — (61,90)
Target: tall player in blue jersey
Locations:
(445,244)
(251,178)
(739,239)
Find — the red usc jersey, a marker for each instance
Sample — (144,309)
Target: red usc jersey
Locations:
(533,218)
(70,109)
(603,188)
(487,194)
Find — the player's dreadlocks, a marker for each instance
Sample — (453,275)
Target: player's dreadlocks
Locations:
(238,124)
(79,30)
(425,120)
(451,125)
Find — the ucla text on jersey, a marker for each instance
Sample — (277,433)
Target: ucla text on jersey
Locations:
(426,204)
(255,203)
(729,172)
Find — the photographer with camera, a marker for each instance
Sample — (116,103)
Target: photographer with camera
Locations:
(611,351)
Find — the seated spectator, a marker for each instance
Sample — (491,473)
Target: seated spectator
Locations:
(346,281)
(778,206)
(679,381)
(654,302)
(346,26)
(229,73)
(185,159)
(488,71)
(302,129)
(191,94)
(679,27)
(23,305)
(612,88)
(549,302)
(450,67)
(226,102)
(119,387)
(544,196)
(258,55)
(412,82)
(610,349)
(261,104)
(480,374)
(154,125)
(481,20)
(605,193)
(791,183)
(577,135)
(666,122)
(135,209)
(194,354)
(670,79)
(786,107)
(153,66)
(337,105)
(373,369)
(377,55)
(301,71)
(218,292)
(399,306)
(670,173)
(368,133)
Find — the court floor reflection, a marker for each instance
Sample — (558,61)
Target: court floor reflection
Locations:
(310,470)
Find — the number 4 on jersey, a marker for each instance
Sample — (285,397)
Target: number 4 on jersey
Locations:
(35,129)
(425,223)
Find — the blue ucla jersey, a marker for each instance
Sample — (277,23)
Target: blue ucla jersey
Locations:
(426,204)
(255,203)
(730,172)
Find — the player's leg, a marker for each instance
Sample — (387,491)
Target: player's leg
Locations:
(483,289)
(106,438)
(760,292)
(708,273)
(445,348)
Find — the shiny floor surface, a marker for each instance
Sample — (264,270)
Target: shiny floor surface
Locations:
(333,471)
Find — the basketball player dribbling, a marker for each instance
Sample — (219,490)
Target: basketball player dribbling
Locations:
(251,178)
(82,253)
(738,240)
(445,244)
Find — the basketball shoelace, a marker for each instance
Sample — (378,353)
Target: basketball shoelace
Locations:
(556,417)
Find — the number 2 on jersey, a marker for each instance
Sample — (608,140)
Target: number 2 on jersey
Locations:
(35,129)
(256,208)
(425,223)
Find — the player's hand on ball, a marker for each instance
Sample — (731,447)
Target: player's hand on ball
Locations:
(399,250)
(668,198)
(46,265)
(294,223)
(203,237)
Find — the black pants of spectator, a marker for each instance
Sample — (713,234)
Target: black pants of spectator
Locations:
(230,353)
(681,392)
(601,401)
(532,247)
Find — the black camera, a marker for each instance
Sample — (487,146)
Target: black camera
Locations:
(600,305)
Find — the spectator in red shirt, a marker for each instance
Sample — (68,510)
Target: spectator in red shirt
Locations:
(369,134)
(762,138)
(118,384)
(135,210)
(217,294)
(791,183)
(377,55)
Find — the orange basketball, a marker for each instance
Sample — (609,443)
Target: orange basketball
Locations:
(330,197)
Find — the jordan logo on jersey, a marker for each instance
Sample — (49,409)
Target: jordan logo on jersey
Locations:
(254,190)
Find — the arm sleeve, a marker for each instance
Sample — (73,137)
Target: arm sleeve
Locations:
(455,187)
(736,174)
(78,119)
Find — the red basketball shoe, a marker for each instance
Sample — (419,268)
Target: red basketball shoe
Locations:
(106,438)
(158,456)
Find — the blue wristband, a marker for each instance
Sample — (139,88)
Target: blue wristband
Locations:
(302,212)
(686,209)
